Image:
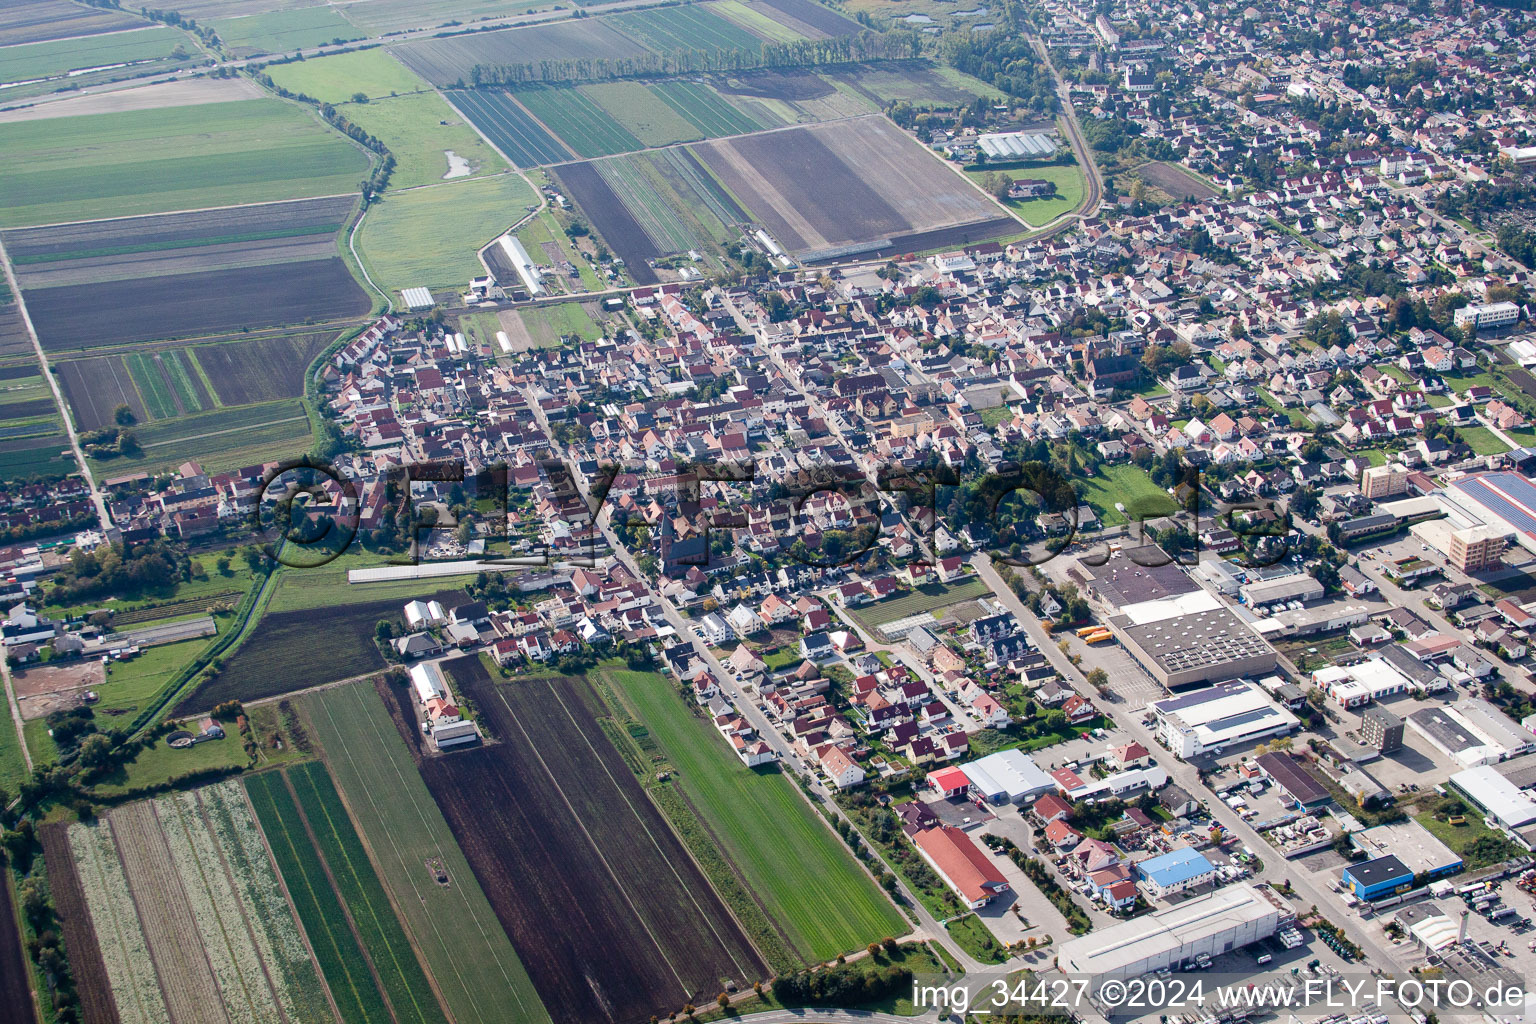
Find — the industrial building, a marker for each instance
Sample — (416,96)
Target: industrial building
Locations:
(1175,872)
(1214,923)
(1008,776)
(1281,589)
(1381,730)
(1472,732)
(1133,576)
(1476,548)
(1210,720)
(1504,501)
(1009,146)
(1411,843)
(1497,795)
(1296,781)
(1350,686)
(1377,878)
(962,865)
(1185,650)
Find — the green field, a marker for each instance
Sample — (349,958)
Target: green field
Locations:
(282,31)
(161,763)
(676,29)
(635,108)
(61,56)
(754,21)
(578,121)
(337,78)
(227,438)
(13,767)
(336,948)
(543,228)
(466,949)
(404,982)
(1039,212)
(1481,440)
(706,109)
(152,387)
(176,158)
(795,865)
(413,128)
(1129,486)
(929,598)
(429,236)
(132,684)
(36,457)
(547,324)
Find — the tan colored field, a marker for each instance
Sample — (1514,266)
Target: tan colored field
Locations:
(185,93)
(50,687)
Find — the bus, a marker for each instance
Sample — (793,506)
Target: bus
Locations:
(1087,631)
(1101,635)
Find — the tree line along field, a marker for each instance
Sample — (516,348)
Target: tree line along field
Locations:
(15,975)
(171,910)
(186,275)
(470,958)
(548,815)
(172,158)
(794,864)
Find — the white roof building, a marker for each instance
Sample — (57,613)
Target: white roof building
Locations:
(1016,145)
(1510,805)
(427,681)
(1228,714)
(1215,923)
(1008,776)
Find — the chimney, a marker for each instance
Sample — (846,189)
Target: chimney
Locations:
(1461,935)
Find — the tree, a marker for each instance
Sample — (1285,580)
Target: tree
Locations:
(1099,680)
(96,751)
(123,416)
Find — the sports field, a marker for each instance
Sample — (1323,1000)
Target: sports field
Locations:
(429,236)
(794,864)
(176,158)
(338,77)
(452,924)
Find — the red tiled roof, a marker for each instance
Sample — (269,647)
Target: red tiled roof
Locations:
(961,862)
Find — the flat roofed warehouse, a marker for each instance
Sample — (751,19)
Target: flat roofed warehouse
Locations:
(1290,776)
(1505,500)
(1228,714)
(1411,843)
(1133,575)
(1200,647)
(1215,923)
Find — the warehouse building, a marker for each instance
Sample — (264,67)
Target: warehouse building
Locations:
(1175,872)
(1281,590)
(1295,780)
(1377,878)
(1213,924)
(1364,682)
(1411,843)
(1213,719)
(1007,777)
(962,865)
(1497,795)
(1504,501)
(1191,640)
(1472,732)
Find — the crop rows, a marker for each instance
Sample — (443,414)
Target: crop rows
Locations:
(336,950)
(184,382)
(704,108)
(116,923)
(158,400)
(580,123)
(685,28)
(393,959)
(508,126)
(645,204)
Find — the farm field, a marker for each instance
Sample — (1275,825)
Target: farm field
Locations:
(930,598)
(14,340)
(403,981)
(678,206)
(86,965)
(428,237)
(611,218)
(859,185)
(446,62)
(755,21)
(263,370)
(219,440)
(383,16)
(340,76)
(577,120)
(15,972)
(30,61)
(704,108)
(470,957)
(785,97)
(675,29)
(920,83)
(13,767)
(28,457)
(283,31)
(421,130)
(806,15)
(662,938)
(1174,180)
(336,947)
(510,127)
(165,383)
(794,864)
(633,106)
(41,20)
(175,158)
(1039,212)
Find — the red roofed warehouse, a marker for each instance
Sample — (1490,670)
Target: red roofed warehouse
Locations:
(961,864)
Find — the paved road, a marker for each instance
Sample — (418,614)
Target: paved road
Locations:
(1187,777)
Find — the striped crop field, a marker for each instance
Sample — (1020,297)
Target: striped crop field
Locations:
(509,127)
(579,122)
(704,108)
(672,29)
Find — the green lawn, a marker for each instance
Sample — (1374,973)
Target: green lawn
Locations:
(428,237)
(928,598)
(971,935)
(413,128)
(39,743)
(339,77)
(1482,440)
(1039,212)
(547,324)
(131,684)
(795,865)
(1127,485)
(475,966)
(59,56)
(174,158)
(992,417)
(284,31)
(1461,837)
(13,766)
(161,763)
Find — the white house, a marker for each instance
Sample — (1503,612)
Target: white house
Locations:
(743,620)
(714,629)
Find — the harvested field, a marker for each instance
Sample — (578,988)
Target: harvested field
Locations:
(69,903)
(14,339)
(444,62)
(185,92)
(40,20)
(196,304)
(470,957)
(115,920)
(802,14)
(15,988)
(46,688)
(852,186)
(510,128)
(552,804)
(170,927)
(678,29)
(611,219)
(1175,181)
(95,387)
(29,407)
(290,651)
(171,158)
(577,120)
(261,371)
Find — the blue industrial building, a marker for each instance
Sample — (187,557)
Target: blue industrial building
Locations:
(1175,872)
(1377,878)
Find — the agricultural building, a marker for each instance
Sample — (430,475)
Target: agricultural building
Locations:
(427,682)
(1007,146)
(417,298)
